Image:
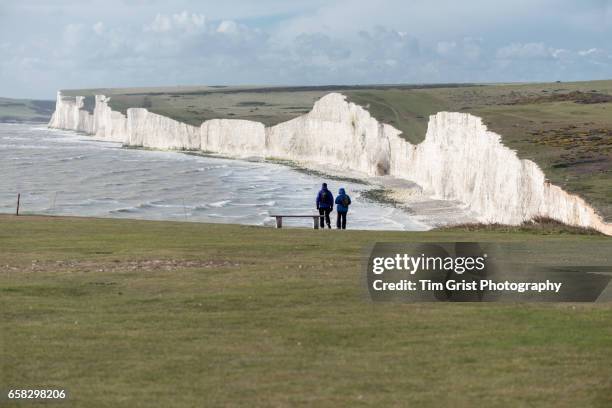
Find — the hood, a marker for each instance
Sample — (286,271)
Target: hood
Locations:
(341,191)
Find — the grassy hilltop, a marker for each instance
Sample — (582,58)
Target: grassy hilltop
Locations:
(25,110)
(564,127)
(141,313)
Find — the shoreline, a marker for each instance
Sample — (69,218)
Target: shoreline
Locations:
(379,193)
(199,204)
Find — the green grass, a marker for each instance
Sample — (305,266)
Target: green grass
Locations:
(539,225)
(268,105)
(25,110)
(194,105)
(138,313)
(406,109)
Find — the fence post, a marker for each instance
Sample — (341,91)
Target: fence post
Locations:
(18,198)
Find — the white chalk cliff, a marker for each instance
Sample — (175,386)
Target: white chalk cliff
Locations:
(459,159)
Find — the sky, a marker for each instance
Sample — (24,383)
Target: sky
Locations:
(47,45)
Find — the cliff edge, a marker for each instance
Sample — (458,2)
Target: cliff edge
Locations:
(459,160)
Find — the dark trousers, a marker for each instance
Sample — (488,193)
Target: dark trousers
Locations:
(341,220)
(325,212)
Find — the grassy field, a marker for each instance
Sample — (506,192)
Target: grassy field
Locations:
(194,105)
(140,314)
(25,110)
(564,127)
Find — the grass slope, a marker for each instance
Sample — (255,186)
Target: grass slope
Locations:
(193,105)
(25,110)
(140,314)
(564,127)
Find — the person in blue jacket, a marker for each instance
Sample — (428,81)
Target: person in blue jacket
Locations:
(325,204)
(342,206)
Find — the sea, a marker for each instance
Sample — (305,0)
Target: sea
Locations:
(65,173)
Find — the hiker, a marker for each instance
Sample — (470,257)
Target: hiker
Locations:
(325,204)
(342,205)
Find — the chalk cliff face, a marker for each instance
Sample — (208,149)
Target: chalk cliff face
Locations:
(146,129)
(458,160)
(233,137)
(335,133)
(70,115)
(461,160)
(107,123)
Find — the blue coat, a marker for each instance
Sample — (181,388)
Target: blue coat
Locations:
(325,199)
(339,199)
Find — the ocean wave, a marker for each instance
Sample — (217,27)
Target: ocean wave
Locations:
(158,204)
(14,138)
(247,205)
(203,169)
(67,159)
(219,204)
(227,174)
(225,216)
(118,172)
(126,210)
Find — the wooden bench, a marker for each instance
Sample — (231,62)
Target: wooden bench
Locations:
(279,219)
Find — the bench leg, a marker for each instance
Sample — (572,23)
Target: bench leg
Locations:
(279,222)
(316,222)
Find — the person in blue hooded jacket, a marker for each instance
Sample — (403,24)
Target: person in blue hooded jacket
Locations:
(342,206)
(325,204)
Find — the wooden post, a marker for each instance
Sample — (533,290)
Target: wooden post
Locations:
(316,222)
(18,199)
(279,222)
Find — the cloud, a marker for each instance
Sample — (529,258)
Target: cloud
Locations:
(98,27)
(524,51)
(189,22)
(595,54)
(72,35)
(184,21)
(590,51)
(161,24)
(383,43)
(72,44)
(467,48)
(541,52)
(227,27)
(446,47)
(320,45)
